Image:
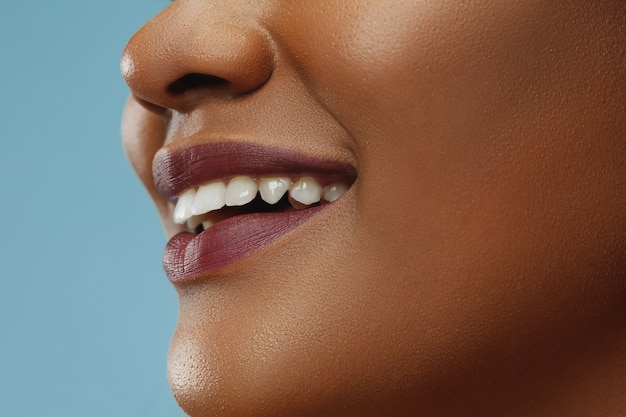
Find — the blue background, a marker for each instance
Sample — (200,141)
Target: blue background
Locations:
(86,313)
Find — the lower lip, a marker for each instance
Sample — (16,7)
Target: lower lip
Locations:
(189,256)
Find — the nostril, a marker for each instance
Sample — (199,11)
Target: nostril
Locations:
(195,81)
(175,64)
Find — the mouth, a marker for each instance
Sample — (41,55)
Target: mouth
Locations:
(234,199)
(202,207)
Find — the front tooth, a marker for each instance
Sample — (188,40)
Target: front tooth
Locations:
(241,190)
(206,224)
(182,211)
(306,191)
(208,198)
(273,189)
(335,190)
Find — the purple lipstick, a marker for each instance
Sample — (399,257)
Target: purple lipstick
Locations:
(224,235)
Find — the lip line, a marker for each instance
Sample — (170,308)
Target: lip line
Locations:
(175,171)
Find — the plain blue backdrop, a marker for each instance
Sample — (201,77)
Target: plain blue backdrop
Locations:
(86,314)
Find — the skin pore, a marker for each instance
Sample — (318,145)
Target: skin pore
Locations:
(477,264)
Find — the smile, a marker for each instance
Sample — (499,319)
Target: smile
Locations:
(229,216)
(200,208)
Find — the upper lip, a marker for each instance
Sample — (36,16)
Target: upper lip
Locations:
(175,171)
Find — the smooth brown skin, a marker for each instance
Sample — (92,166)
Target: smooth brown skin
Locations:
(476,267)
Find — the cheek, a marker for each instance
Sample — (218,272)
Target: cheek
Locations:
(473,126)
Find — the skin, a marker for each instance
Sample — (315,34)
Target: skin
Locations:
(477,265)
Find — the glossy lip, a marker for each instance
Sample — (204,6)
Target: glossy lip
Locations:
(189,256)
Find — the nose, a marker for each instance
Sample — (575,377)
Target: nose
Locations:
(197,50)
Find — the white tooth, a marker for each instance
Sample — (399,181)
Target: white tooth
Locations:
(208,198)
(206,224)
(273,189)
(194,222)
(241,190)
(306,191)
(182,211)
(335,190)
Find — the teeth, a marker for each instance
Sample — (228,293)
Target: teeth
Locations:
(335,190)
(208,198)
(241,190)
(306,191)
(182,211)
(194,222)
(193,204)
(273,189)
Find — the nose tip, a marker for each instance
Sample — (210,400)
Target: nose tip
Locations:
(178,59)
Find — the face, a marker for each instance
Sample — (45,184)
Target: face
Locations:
(455,222)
